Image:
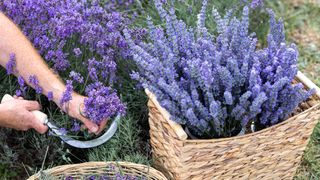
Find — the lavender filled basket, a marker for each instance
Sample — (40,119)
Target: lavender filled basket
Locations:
(272,153)
(222,105)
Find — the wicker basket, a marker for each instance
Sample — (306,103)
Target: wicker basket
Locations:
(272,153)
(80,171)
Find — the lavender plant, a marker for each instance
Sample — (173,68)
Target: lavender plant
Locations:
(49,24)
(68,34)
(88,27)
(217,85)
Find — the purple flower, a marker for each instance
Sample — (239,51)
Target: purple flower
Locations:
(102,103)
(76,77)
(11,64)
(77,52)
(63,131)
(69,178)
(67,94)
(35,82)
(92,177)
(22,87)
(256,3)
(228,98)
(92,69)
(75,127)
(21,81)
(50,95)
(19,92)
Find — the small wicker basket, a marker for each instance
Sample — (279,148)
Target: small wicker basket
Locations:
(84,170)
(272,153)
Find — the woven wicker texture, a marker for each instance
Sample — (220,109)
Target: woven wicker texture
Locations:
(80,171)
(272,153)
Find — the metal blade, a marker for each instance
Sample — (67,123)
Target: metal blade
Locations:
(91,143)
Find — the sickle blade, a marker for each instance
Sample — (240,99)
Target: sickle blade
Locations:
(91,143)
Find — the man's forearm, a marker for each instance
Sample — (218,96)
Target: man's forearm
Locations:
(28,61)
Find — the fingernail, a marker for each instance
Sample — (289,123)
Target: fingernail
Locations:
(94,129)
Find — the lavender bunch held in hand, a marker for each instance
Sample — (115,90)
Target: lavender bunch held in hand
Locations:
(216,85)
(102,103)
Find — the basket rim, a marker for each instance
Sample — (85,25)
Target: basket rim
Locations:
(148,168)
(300,76)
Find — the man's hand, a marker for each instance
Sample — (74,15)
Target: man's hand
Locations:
(75,109)
(17,114)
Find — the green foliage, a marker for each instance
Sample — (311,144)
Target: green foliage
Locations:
(6,172)
(124,146)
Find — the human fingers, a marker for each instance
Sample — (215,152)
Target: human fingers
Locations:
(39,126)
(31,105)
(102,126)
(90,125)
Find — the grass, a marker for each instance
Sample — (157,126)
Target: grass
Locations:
(23,153)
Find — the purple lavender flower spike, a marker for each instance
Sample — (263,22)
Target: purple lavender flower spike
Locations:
(67,94)
(75,127)
(35,82)
(228,98)
(77,52)
(11,64)
(22,86)
(21,81)
(63,131)
(76,77)
(50,95)
(93,177)
(19,93)
(69,178)
(256,3)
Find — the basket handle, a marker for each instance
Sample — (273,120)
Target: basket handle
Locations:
(307,82)
(177,128)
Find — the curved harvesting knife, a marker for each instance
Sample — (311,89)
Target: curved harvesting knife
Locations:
(72,142)
(86,144)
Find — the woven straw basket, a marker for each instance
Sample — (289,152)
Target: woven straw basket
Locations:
(80,171)
(272,153)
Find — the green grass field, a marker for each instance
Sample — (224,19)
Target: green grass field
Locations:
(24,153)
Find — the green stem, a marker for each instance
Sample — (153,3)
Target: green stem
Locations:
(38,98)
(10,88)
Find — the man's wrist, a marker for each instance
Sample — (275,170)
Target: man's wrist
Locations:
(57,94)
